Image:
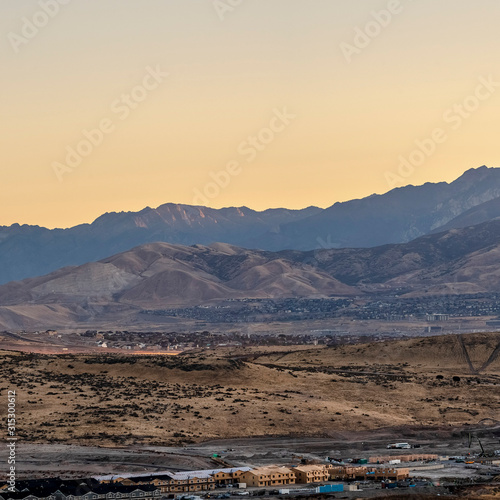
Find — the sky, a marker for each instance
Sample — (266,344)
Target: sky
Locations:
(115,105)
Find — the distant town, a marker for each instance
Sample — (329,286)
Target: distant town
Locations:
(390,307)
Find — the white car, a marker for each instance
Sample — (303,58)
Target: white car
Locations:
(399,446)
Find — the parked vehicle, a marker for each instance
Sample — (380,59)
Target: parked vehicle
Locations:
(399,446)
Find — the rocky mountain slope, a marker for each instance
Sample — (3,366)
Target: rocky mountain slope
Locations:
(27,251)
(160,275)
(489,210)
(447,252)
(457,261)
(398,216)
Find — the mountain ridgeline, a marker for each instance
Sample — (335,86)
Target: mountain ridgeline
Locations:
(398,216)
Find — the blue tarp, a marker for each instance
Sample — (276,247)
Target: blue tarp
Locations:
(330,488)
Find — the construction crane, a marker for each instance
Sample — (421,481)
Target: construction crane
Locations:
(484,453)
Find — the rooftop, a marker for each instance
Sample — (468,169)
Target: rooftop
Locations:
(272,469)
(174,475)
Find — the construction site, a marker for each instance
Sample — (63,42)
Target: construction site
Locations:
(271,468)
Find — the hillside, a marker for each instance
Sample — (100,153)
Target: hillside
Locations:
(316,392)
(467,258)
(159,276)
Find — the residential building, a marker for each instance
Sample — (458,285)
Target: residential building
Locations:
(306,474)
(230,476)
(272,475)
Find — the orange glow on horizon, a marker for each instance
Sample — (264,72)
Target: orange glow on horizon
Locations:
(119,105)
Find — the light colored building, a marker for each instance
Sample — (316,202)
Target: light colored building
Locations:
(230,476)
(437,317)
(365,473)
(404,458)
(306,474)
(346,473)
(272,475)
(391,473)
(180,482)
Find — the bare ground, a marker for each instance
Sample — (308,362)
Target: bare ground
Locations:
(365,395)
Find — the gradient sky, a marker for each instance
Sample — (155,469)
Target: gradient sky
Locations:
(227,77)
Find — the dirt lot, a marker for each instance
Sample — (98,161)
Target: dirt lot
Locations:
(41,460)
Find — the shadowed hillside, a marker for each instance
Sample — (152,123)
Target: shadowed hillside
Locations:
(159,276)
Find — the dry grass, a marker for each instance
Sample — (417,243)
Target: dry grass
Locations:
(114,400)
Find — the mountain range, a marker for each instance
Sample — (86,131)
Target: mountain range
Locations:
(161,275)
(398,216)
